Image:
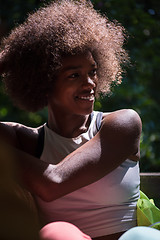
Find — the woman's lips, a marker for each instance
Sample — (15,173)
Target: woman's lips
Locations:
(86,97)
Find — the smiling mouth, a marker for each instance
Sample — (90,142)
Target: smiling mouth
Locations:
(86,98)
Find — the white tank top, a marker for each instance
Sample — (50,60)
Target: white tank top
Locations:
(105,207)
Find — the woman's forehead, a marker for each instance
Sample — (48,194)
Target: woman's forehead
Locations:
(78,60)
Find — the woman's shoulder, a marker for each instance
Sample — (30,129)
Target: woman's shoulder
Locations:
(125,122)
(20,136)
(127,119)
(123,117)
(123,128)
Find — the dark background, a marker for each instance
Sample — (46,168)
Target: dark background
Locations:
(140,88)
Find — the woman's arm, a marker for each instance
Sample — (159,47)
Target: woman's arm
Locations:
(117,139)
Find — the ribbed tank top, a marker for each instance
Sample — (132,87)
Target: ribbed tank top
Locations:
(105,207)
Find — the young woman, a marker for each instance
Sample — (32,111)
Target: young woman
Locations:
(62,57)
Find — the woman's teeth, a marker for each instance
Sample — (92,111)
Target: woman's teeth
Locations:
(87,97)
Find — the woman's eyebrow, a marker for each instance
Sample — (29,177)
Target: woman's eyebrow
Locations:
(71,67)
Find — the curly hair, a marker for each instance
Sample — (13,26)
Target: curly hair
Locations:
(32,53)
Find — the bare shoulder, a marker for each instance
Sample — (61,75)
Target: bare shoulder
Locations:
(8,133)
(123,119)
(19,135)
(123,128)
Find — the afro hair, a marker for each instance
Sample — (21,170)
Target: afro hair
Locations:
(32,53)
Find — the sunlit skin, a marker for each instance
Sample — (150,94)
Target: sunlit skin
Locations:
(29,59)
(69,107)
(73,97)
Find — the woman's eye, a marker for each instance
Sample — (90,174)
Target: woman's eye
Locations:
(74,75)
(93,72)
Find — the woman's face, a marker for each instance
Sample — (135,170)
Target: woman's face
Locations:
(75,86)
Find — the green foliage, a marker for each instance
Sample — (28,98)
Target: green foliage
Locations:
(140,88)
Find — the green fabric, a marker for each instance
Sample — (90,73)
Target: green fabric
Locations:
(147,213)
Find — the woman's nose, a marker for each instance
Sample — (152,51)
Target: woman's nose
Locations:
(89,82)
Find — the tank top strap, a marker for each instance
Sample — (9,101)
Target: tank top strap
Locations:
(99,120)
(40,143)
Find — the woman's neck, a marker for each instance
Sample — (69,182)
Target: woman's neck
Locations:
(67,125)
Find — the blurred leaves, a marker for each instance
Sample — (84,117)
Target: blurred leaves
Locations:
(140,88)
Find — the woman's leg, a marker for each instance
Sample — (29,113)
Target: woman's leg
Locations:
(61,231)
(141,233)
